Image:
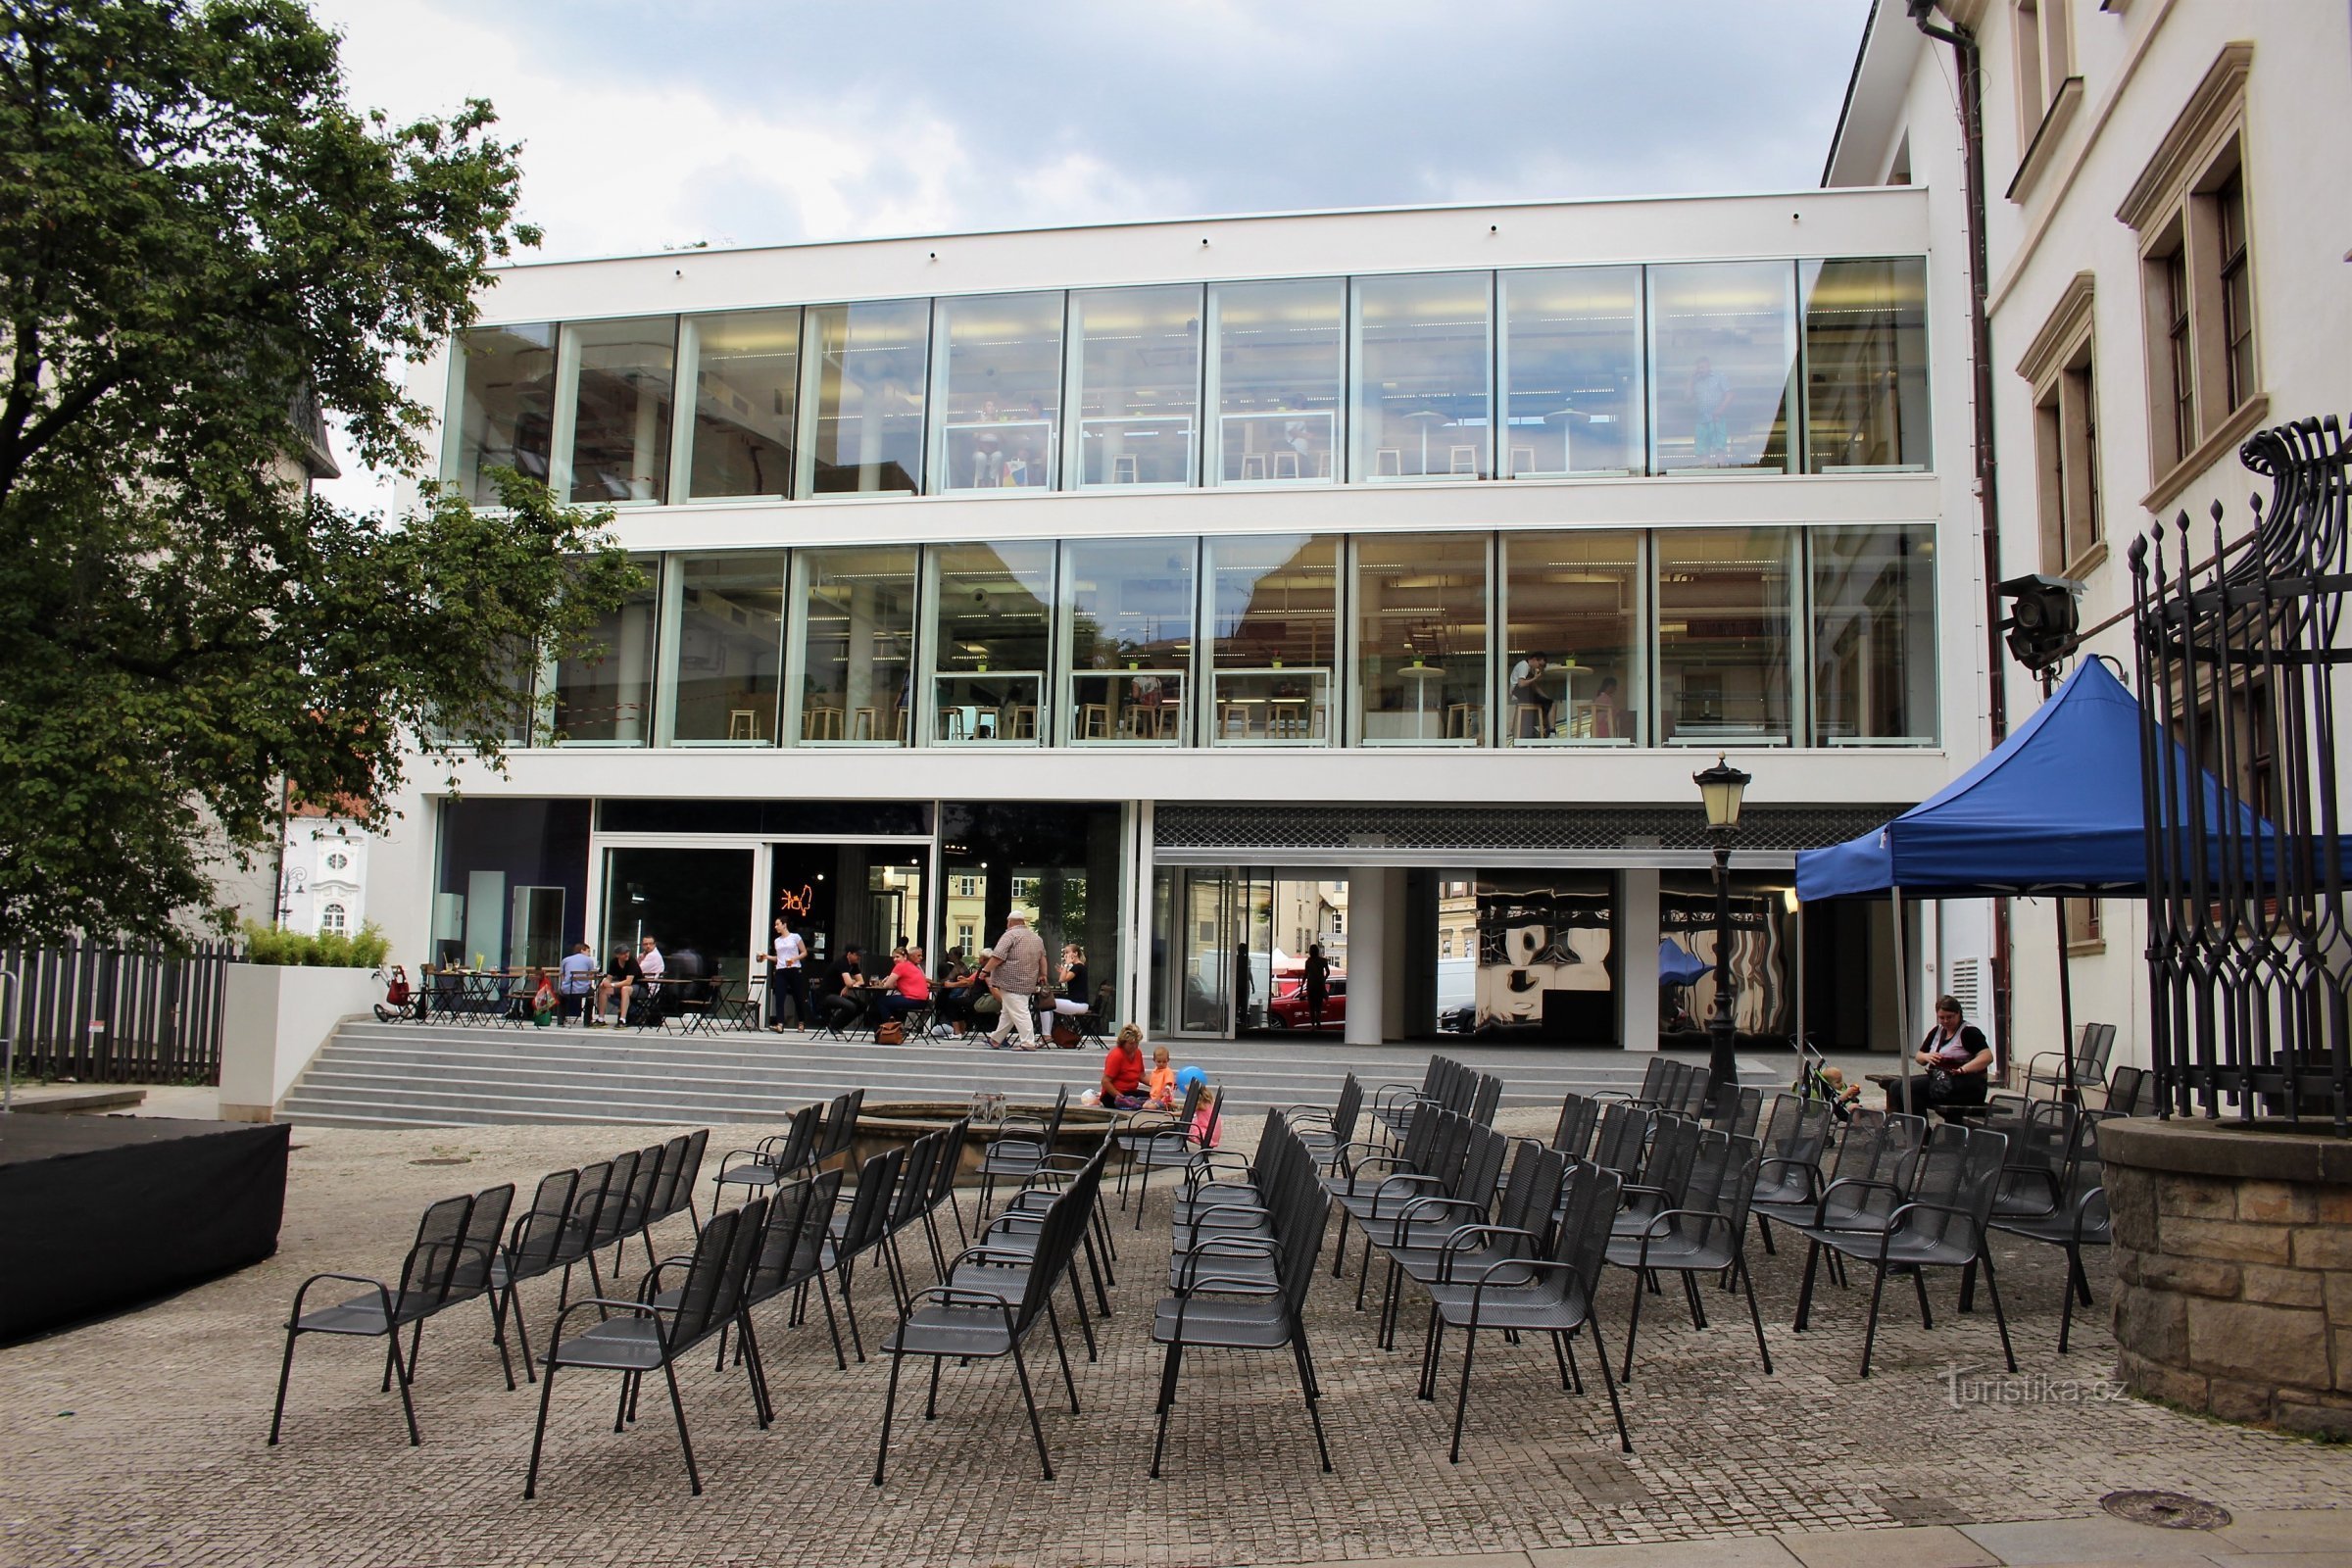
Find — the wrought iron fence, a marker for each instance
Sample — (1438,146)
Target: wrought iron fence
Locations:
(117,1014)
(2249,962)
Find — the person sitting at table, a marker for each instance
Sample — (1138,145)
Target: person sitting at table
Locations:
(839,1000)
(1958,1061)
(1527,691)
(620,983)
(575,981)
(953,992)
(651,966)
(909,988)
(1074,1001)
(1121,1088)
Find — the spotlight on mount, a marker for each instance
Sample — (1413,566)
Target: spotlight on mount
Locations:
(2041,621)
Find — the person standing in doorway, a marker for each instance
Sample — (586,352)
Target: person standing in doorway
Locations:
(1316,984)
(788,976)
(1016,971)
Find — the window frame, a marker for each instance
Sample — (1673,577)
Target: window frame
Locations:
(2061,367)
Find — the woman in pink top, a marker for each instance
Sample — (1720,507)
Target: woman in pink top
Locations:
(909,988)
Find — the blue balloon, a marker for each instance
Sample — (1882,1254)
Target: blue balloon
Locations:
(1188,1077)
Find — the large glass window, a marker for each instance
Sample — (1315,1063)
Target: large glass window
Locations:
(621,409)
(1127,609)
(1722,349)
(1572,372)
(1866,364)
(1275,652)
(862,391)
(1422,351)
(747,383)
(1725,635)
(503,389)
(1139,383)
(854,681)
(1278,378)
(1575,651)
(725,671)
(1003,392)
(1874,636)
(989,606)
(1421,638)
(603,695)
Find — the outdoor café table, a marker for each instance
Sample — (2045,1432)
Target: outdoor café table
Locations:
(716,1002)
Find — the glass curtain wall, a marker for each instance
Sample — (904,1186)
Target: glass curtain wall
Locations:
(1127,624)
(854,681)
(1722,363)
(1874,636)
(1726,635)
(991,608)
(863,371)
(1274,656)
(1278,388)
(725,670)
(1574,644)
(747,382)
(1572,372)
(1866,364)
(503,392)
(1139,383)
(603,696)
(1000,423)
(626,375)
(1423,347)
(1420,603)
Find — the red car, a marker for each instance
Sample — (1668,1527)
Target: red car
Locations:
(1287,1008)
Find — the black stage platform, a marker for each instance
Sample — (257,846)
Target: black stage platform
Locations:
(98,1213)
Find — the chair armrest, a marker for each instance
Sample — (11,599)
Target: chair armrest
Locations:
(1188,1263)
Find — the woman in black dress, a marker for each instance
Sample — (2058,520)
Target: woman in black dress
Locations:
(1316,984)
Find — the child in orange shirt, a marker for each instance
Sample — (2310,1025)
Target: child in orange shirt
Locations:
(1161,1083)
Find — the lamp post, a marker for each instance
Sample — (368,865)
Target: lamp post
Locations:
(1721,788)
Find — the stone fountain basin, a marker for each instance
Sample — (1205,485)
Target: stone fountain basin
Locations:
(895,1124)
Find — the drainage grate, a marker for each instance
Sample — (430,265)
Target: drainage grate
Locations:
(445,1160)
(2166,1510)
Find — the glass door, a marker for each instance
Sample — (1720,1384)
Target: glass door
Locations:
(1204,902)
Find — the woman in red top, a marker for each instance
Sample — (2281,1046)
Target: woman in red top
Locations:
(1123,1071)
(909,988)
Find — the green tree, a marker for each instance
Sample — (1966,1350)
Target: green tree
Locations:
(197,235)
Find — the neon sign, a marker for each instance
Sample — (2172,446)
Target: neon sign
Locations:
(800,904)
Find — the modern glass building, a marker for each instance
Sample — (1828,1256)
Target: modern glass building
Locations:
(1209,588)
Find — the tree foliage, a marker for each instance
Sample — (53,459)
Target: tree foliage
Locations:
(197,235)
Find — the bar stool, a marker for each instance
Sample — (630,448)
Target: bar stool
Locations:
(820,724)
(743,723)
(1286,465)
(1094,721)
(1461,720)
(1531,714)
(864,725)
(1018,722)
(1285,718)
(1253,465)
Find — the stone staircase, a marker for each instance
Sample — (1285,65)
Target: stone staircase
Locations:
(411,1075)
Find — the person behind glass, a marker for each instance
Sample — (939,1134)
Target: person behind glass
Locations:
(788,976)
(1122,1088)
(576,982)
(839,1000)
(1604,709)
(620,983)
(1074,1000)
(1712,406)
(909,988)
(1315,981)
(1955,1051)
(1527,691)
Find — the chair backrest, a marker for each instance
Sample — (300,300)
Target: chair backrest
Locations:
(1300,1216)
(912,1199)
(1959,1180)
(666,1171)
(609,1222)
(840,1129)
(1486,1098)
(1448,1147)
(1061,1104)
(433,1263)
(1581,1242)
(870,1208)
(535,1243)
(2084,1172)
(1859,1147)
(2098,1044)
(1532,1190)
(792,1251)
(1482,1166)
(485,1236)
(1344,1110)
(1690,1092)
(1798,1131)
(1736,1110)
(716,1276)
(1735,1183)
(1653,1078)
(1624,1135)
(948,1164)
(689,1170)
(1058,1238)
(653,1163)
(2125,1088)
(1673,1146)
(587,1201)
(1192,1104)
(798,1148)
(1578,1114)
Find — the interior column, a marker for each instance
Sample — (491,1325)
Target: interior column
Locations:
(1638,957)
(1368,967)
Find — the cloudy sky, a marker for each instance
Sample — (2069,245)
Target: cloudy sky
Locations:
(651,123)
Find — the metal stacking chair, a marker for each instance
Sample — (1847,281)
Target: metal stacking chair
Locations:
(1020,1157)
(2093,1042)
(1550,1295)
(449,1263)
(537,1246)
(1579,1116)
(1011,1238)
(1171,1146)
(910,1201)
(1428,1217)
(1393,1105)
(1357,1170)
(1221,1303)
(660,1326)
(982,1322)
(943,1171)
(1665,1174)
(1521,1227)
(1863,1202)
(1942,1222)
(1623,1141)
(791,1255)
(2130,1092)
(774,1159)
(1706,1233)
(1132,1131)
(1738,1112)
(1653,1083)
(837,1135)
(1789,1162)
(862,1230)
(1800,1184)
(1326,1132)
(2069,1212)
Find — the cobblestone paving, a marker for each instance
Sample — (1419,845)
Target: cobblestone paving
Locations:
(140,1440)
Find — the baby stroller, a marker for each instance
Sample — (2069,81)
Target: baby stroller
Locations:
(400,1001)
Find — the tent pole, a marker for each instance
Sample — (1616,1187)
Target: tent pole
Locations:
(1797,964)
(2066,1007)
(1902,997)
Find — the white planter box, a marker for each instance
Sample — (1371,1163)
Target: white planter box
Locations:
(273,1021)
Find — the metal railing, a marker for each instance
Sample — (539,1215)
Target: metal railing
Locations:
(103,1013)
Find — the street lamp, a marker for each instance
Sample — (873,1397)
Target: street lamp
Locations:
(1721,787)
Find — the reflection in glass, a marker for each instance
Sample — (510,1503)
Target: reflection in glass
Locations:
(1723,635)
(1545,955)
(1763,915)
(1574,645)
(728,668)
(1274,653)
(863,391)
(747,381)
(1874,636)
(1139,383)
(604,694)
(857,634)
(1128,624)
(1866,364)
(1421,638)
(506,399)
(1572,381)
(989,641)
(1422,351)
(1278,371)
(621,418)
(1003,392)
(1722,358)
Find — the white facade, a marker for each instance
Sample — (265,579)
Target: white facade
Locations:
(1211,766)
(325,887)
(2113,134)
